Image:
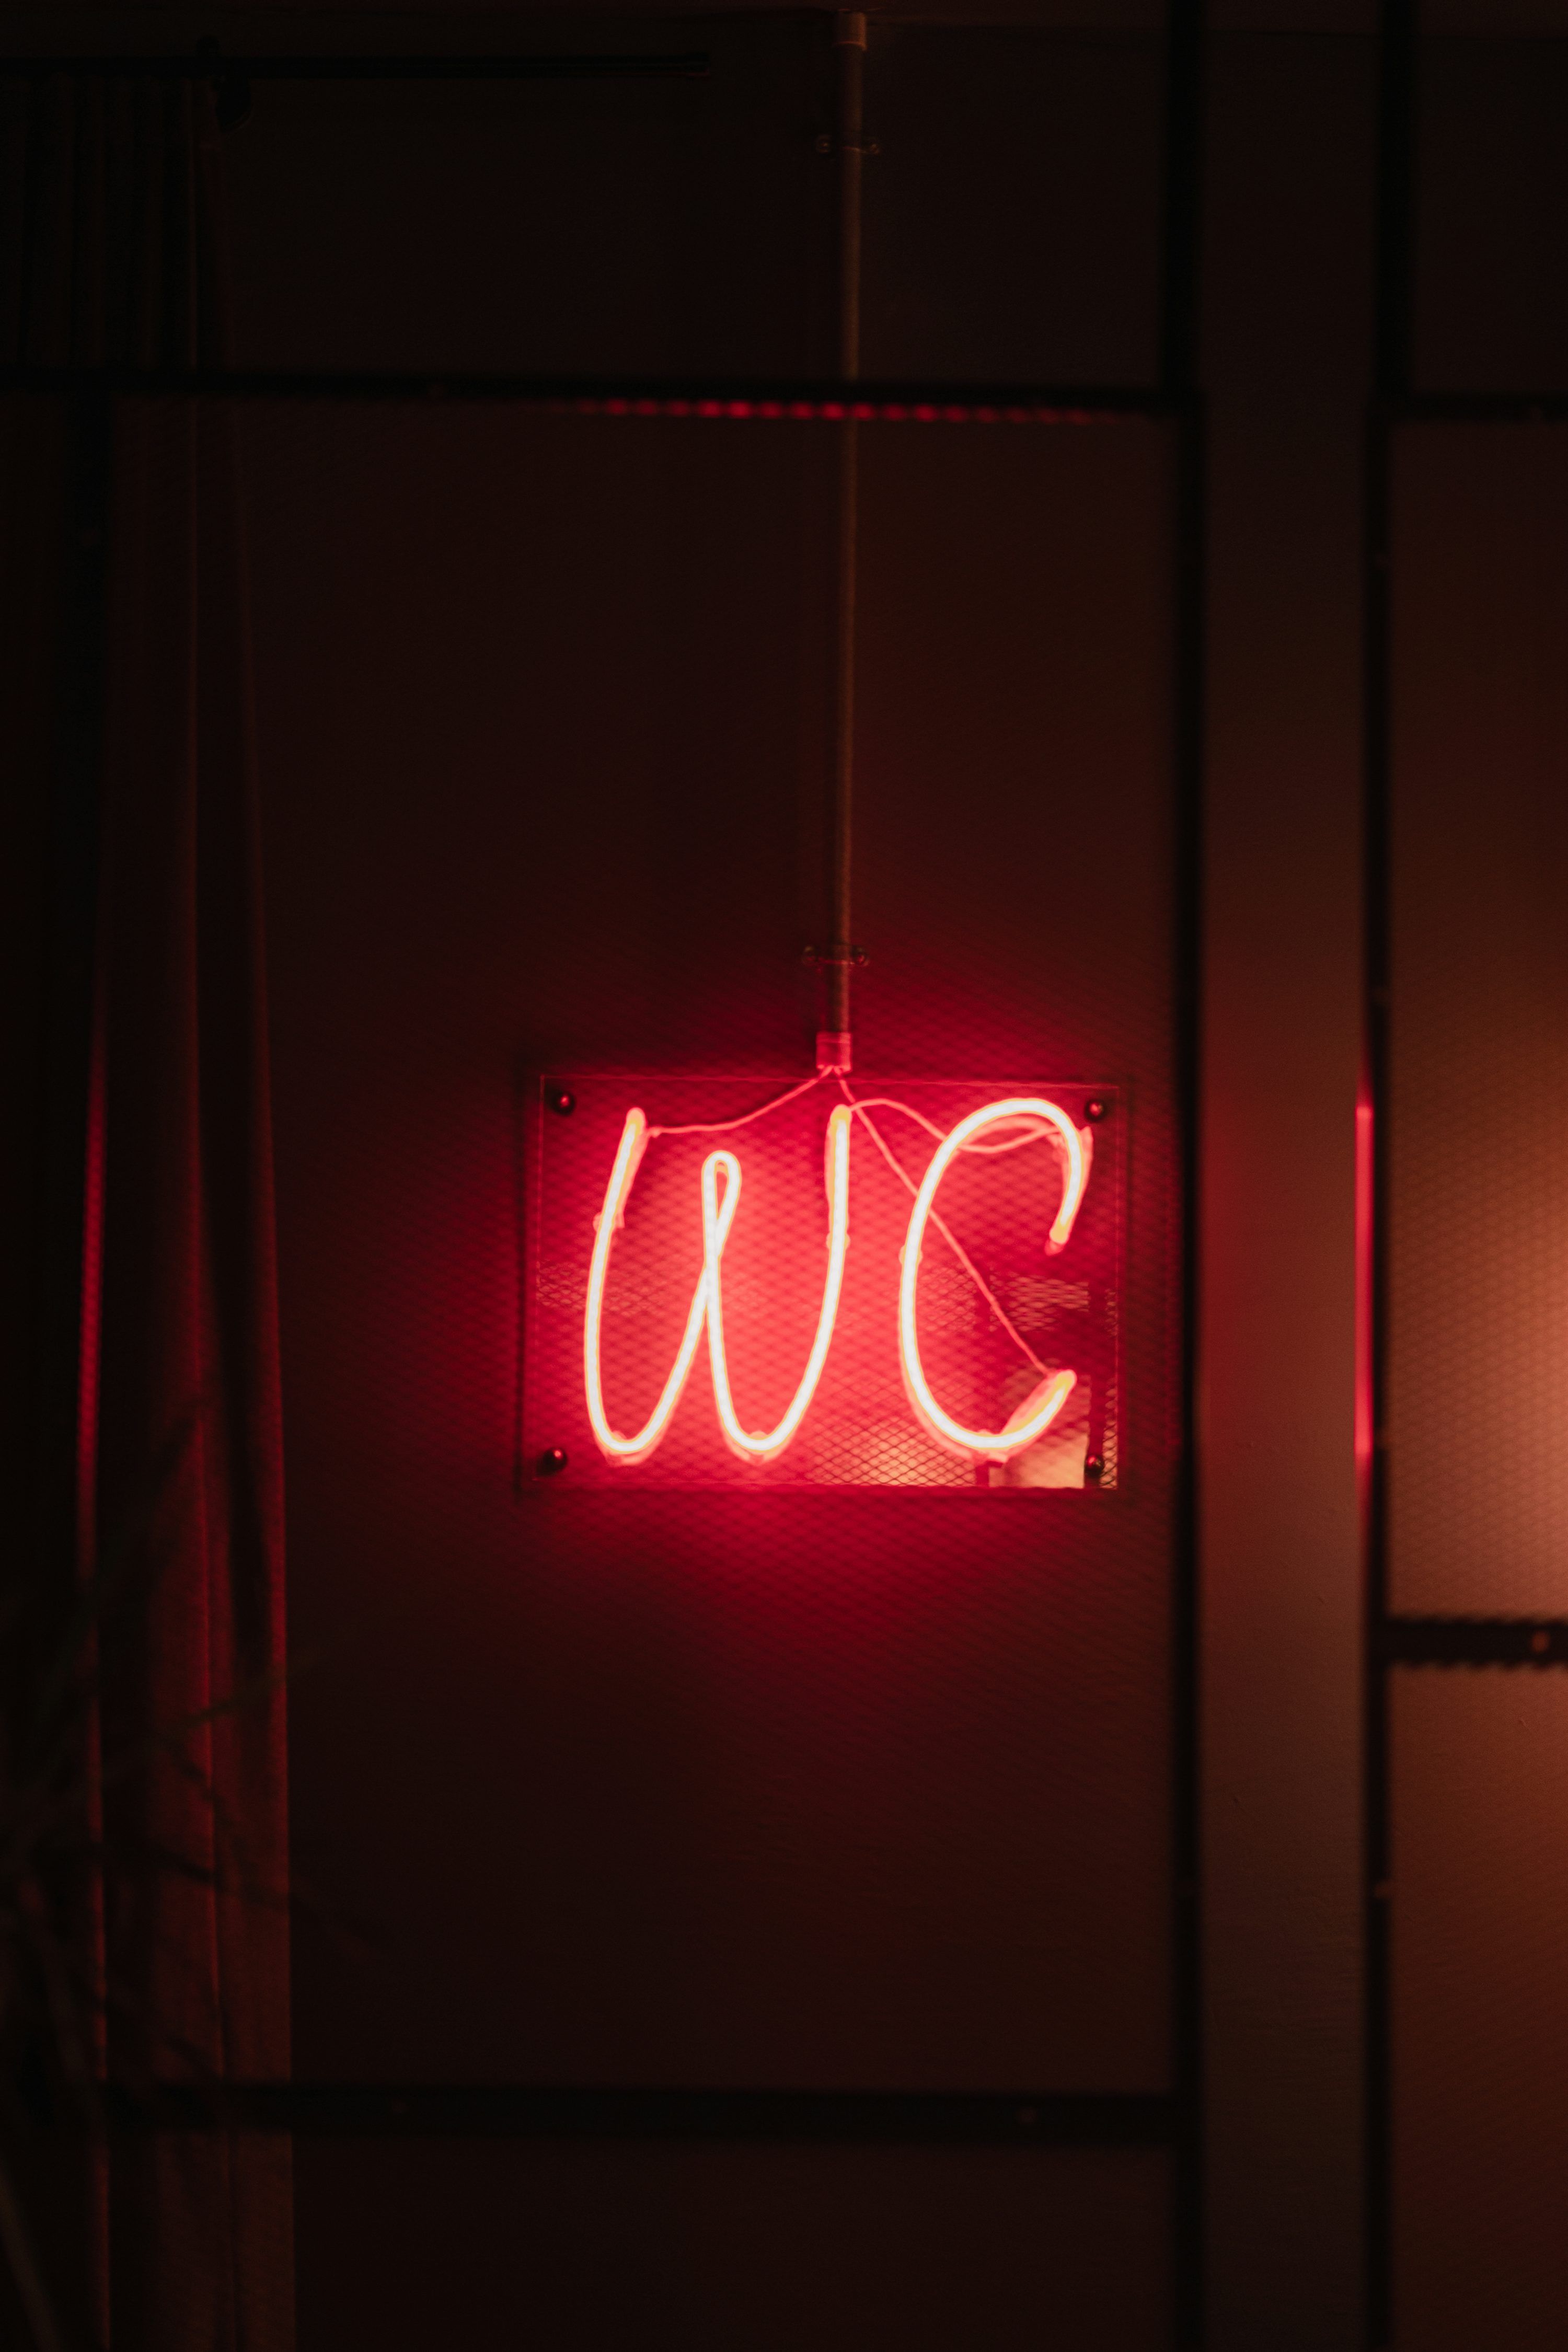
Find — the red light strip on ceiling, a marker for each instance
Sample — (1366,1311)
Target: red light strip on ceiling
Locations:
(831,412)
(1036,1116)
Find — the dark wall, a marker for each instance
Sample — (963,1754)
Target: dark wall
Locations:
(1287,325)
(827,1790)
(741,1791)
(586,631)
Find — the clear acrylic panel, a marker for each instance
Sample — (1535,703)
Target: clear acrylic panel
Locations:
(1000,1309)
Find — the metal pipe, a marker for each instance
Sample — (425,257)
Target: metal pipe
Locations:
(850,41)
(833,1048)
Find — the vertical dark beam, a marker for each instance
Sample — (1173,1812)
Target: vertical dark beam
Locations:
(1393,337)
(1290,158)
(1374,1374)
(1192,460)
(1184,66)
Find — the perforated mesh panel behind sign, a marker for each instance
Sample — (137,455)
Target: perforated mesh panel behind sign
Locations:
(1000,1309)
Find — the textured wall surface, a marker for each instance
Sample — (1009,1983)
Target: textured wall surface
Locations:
(827,1789)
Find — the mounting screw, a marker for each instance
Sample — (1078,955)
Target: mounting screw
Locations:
(551,1461)
(1095,1109)
(1094,1467)
(561,1100)
(823,143)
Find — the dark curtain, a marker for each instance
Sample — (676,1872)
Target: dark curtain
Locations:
(114,258)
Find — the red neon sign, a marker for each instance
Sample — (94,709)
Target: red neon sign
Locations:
(1031,1119)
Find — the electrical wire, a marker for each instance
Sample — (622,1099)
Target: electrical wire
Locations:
(880,1102)
(1039,1132)
(727,1126)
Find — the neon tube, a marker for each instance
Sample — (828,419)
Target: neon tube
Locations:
(707,1299)
(767,1445)
(1040,1408)
(629,1451)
